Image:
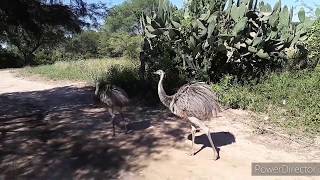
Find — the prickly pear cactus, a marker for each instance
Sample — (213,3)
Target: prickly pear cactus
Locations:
(243,38)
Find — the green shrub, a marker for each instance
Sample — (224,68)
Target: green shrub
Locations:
(43,57)
(290,99)
(50,56)
(124,77)
(299,58)
(314,41)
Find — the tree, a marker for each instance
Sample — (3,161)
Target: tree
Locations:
(85,44)
(120,44)
(125,17)
(30,24)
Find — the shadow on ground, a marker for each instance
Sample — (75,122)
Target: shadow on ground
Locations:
(219,139)
(61,134)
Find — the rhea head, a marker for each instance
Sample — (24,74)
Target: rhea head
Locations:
(159,72)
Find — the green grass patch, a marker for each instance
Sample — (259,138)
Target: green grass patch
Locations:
(290,100)
(82,70)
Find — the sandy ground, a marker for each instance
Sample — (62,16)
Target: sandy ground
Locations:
(53,130)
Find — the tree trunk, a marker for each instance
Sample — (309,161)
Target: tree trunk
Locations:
(27,58)
(142,69)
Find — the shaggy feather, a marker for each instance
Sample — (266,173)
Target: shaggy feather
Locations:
(111,95)
(191,100)
(195,100)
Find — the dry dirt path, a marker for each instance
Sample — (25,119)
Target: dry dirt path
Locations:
(53,130)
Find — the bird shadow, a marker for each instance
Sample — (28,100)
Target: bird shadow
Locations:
(134,122)
(131,126)
(138,125)
(219,139)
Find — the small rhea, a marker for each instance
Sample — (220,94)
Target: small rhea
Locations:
(114,99)
(194,102)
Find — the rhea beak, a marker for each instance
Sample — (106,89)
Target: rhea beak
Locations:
(155,73)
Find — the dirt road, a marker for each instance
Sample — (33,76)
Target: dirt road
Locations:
(53,130)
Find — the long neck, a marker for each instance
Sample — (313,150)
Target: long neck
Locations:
(164,98)
(97,89)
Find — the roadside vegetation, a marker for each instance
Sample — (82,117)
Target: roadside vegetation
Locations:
(82,70)
(289,101)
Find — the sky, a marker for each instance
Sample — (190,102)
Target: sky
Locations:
(110,3)
(179,3)
(296,4)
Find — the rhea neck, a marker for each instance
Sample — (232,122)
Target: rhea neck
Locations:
(97,89)
(164,98)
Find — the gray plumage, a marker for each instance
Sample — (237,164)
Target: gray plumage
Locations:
(195,102)
(113,98)
(111,95)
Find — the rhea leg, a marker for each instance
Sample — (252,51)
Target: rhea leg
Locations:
(110,110)
(124,120)
(212,145)
(204,128)
(193,132)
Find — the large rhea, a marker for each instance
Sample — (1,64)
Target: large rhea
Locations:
(193,102)
(114,99)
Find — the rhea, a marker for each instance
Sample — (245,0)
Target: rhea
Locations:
(114,99)
(195,103)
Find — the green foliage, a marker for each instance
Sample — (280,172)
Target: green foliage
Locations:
(125,17)
(212,41)
(157,51)
(302,15)
(30,25)
(314,41)
(90,44)
(196,8)
(298,58)
(43,57)
(291,100)
(85,44)
(124,77)
(317,12)
(119,44)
